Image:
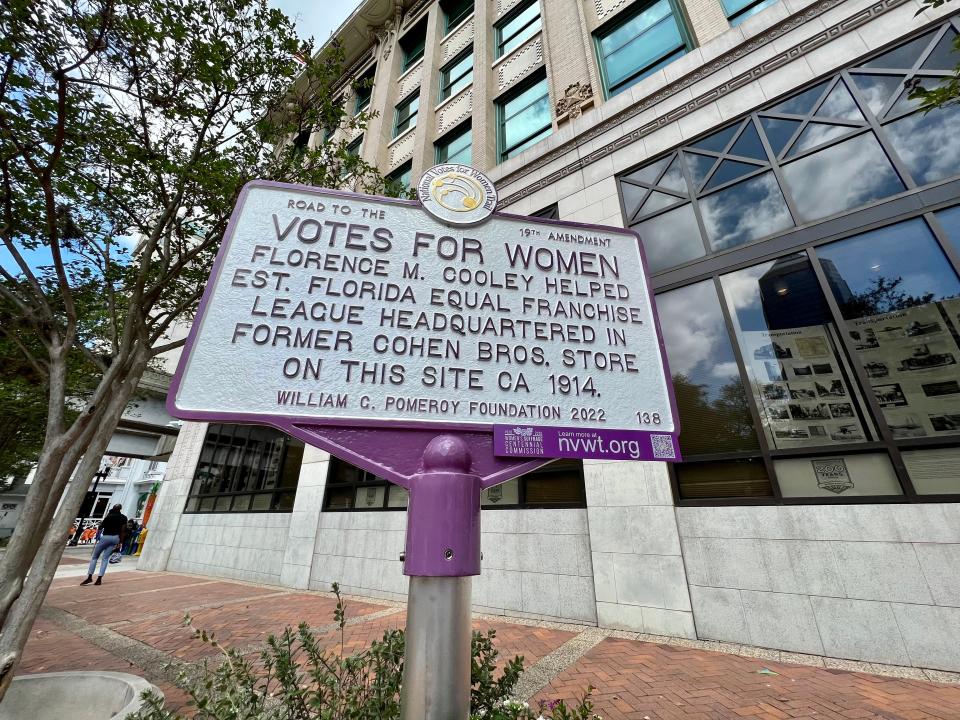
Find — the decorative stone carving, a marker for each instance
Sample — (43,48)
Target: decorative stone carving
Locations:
(411,80)
(575,97)
(518,65)
(456,110)
(457,42)
(387,31)
(605,7)
(504,5)
(402,149)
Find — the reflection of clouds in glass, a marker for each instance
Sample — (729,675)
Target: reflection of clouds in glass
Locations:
(840,104)
(726,370)
(693,330)
(844,176)
(671,238)
(924,142)
(741,288)
(817,134)
(745,212)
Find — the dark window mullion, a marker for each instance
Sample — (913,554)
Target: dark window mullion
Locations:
(936,227)
(777,173)
(758,426)
(692,187)
(866,389)
(874,123)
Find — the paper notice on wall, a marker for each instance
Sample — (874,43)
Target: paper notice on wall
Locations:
(801,388)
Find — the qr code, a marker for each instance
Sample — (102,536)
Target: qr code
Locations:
(662,446)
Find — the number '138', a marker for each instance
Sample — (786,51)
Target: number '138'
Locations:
(646,418)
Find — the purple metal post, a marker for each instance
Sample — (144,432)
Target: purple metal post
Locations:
(442,552)
(443,514)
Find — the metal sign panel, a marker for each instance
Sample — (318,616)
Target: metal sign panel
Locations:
(334,309)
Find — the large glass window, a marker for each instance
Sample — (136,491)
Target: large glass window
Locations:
(557,485)
(524,117)
(455,146)
(899,295)
(518,27)
(456,75)
(245,468)
(412,45)
(711,397)
(406,115)
(455,12)
(789,345)
(636,46)
(846,142)
(846,357)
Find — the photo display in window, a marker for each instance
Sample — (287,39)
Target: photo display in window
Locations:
(899,295)
(802,394)
(790,349)
(911,359)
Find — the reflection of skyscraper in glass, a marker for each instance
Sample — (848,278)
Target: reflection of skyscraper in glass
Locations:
(791,296)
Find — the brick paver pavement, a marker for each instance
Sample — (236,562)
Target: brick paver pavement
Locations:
(663,682)
(632,680)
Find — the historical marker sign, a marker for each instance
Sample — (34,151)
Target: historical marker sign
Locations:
(347,310)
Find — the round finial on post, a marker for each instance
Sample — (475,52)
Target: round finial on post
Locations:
(446,453)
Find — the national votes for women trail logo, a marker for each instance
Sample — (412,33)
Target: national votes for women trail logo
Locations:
(457,194)
(524,441)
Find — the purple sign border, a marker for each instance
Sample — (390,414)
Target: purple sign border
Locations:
(322,431)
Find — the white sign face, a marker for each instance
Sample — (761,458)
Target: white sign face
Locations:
(349,308)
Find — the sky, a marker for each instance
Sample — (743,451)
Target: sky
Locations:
(317,18)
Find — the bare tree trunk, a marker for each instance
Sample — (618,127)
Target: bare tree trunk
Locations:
(18,621)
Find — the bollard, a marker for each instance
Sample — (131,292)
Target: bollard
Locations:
(442,554)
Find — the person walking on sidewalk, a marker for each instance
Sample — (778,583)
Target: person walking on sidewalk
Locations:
(112,529)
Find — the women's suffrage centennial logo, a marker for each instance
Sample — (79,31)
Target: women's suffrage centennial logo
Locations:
(457,194)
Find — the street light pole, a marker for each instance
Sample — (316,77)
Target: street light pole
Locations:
(102,474)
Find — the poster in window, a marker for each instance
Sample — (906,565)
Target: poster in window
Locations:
(911,357)
(800,387)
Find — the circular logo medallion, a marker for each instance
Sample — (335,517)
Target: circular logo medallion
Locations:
(457,194)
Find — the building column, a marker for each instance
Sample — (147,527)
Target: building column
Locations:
(307,506)
(426,132)
(638,570)
(165,518)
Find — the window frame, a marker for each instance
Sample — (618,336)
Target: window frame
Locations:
(916,201)
(501,102)
(401,169)
(449,137)
(287,443)
(522,504)
(550,212)
(362,101)
(412,98)
(446,84)
(499,41)
(618,22)
(451,21)
(410,56)
(735,18)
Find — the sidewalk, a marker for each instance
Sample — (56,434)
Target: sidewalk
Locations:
(133,623)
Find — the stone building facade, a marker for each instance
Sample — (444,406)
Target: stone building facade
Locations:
(800,219)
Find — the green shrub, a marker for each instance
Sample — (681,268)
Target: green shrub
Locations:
(295,678)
